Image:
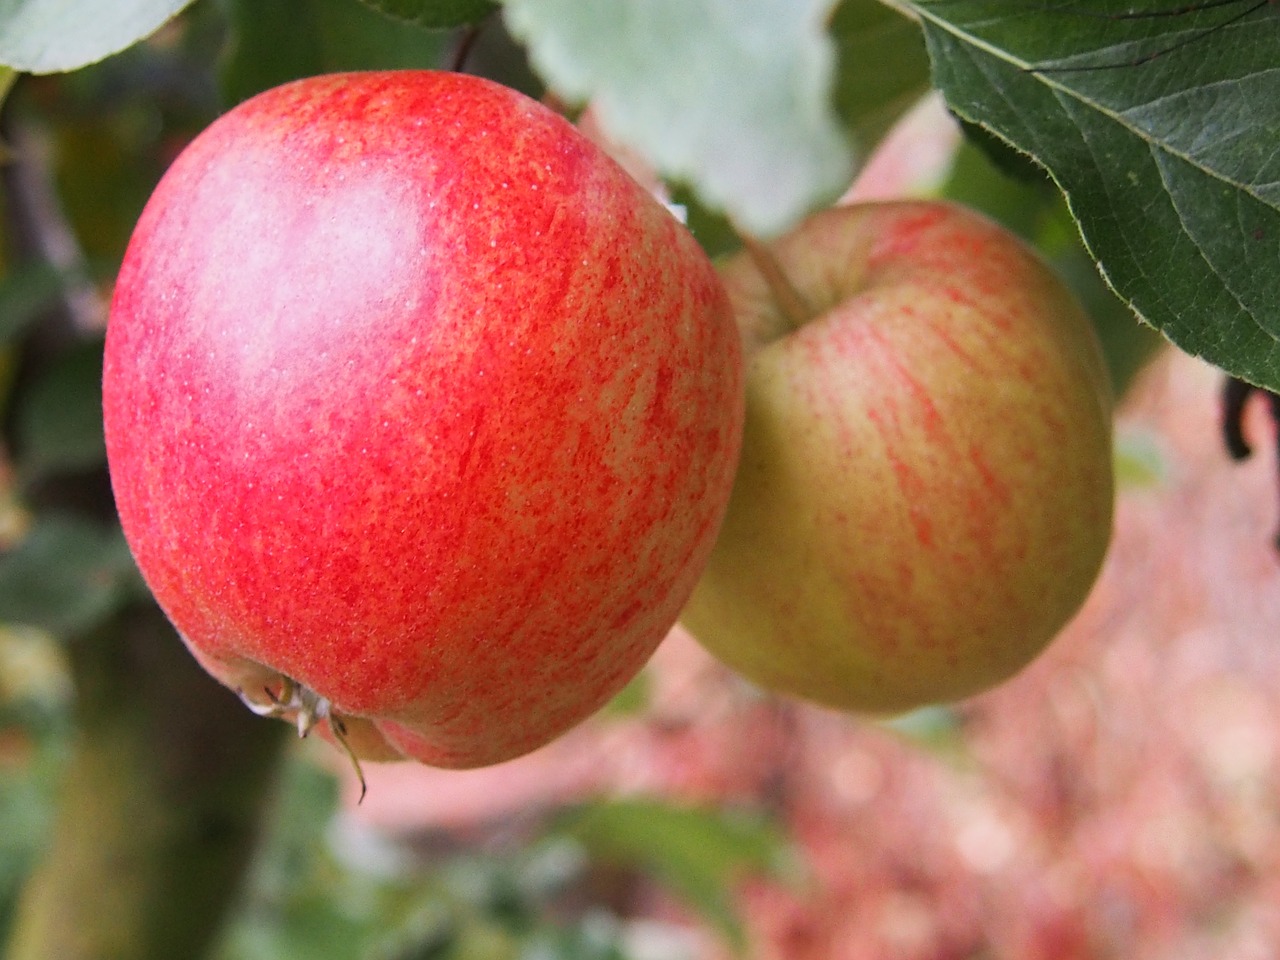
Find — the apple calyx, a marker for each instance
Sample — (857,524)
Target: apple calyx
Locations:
(307,708)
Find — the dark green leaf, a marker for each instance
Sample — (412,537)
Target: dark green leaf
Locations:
(24,294)
(435,13)
(47,36)
(881,70)
(59,420)
(1127,343)
(711,229)
(1010,162)
(1161,130)
(733,99)
(977,180)
(66,575)
(699,854)
(274,41)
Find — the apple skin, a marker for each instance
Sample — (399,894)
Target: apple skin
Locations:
(414,400)
(925,491)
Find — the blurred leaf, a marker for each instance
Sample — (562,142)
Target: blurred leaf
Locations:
(734,99)
(304,809)
(1127,342)
(1161,131)
(709,228)
(435,13)
(599,936)
(27,816)
(495,54)
(66,575)
(275,41)
(303,929)
(430,931)
(49,36)
(882,68)
(1141,463)
(936,726)
(7,76)
(297,905)
(28,793)
(631,699)
(106,170)
(979,181)
(35,677)
(24,295)
(59,419)
(699,854)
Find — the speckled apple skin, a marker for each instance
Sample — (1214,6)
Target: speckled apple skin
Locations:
(413,396)
(925,493)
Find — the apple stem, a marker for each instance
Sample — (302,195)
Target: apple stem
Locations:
(788,298)
(308,709)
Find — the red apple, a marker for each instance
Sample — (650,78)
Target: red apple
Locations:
(925,491)
(421,414)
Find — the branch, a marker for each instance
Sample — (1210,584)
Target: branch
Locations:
(39,231)
(160,808)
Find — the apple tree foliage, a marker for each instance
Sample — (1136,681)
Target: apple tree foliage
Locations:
(1145,127)
(1155,118)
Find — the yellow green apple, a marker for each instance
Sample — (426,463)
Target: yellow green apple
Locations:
(925,492)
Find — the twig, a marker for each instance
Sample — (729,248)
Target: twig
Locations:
(1235,395)
(40,231)
(466,43)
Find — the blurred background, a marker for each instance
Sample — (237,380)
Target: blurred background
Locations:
(1117,799)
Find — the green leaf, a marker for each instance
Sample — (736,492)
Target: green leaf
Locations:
(936,727)
(631,699)
(882,68)
(48,36)
(66,575)
(7,76)
(274,41)
(1161,131)
(59,419)
(24,294)
(28,801)
(733,99)
(981,180)
(1141,462)
(434,14)
(699,854)
(296,906)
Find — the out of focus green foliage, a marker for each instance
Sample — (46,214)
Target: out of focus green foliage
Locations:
(324,886)
(35,725)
